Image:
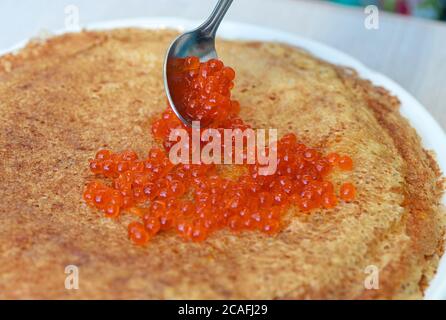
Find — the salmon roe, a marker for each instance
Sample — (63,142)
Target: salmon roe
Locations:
(348,192)
(195,200)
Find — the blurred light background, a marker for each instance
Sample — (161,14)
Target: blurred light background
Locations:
(432,9)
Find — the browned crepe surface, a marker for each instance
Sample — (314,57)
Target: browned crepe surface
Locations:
(63,99)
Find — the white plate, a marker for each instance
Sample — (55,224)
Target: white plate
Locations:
(431,133)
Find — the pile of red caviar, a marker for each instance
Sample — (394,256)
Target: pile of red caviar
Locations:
(197,200)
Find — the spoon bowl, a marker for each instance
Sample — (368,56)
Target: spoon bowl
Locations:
(196,43)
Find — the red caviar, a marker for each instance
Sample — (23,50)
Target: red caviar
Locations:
(348,192)
(203,90)
(345,163)
(197,200)
(137,233)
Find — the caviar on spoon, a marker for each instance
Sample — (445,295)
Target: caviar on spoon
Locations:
(197,43)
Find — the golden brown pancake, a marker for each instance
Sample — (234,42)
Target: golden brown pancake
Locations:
(65,98)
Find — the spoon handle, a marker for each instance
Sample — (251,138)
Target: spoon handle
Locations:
(211,25)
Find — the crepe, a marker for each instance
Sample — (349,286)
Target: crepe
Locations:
(64,98)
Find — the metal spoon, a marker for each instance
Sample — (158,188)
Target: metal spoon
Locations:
(200,43)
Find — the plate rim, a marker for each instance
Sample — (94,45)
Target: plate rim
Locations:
(431,133)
